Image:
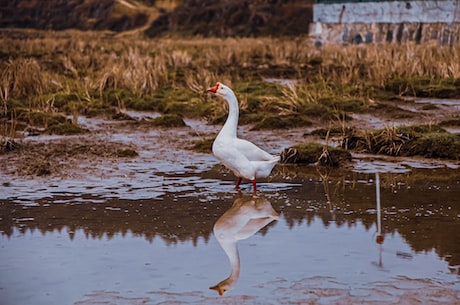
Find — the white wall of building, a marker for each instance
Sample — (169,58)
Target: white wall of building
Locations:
(444,11)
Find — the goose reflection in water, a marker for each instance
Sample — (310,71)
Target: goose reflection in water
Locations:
(246,216)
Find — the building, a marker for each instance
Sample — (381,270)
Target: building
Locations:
(357,21)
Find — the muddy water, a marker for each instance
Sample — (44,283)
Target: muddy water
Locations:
(331,244)
(165,226)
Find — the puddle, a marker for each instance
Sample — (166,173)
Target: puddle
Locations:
(330,242)
(142,230)
(446,109)
(368,163)
(434,101)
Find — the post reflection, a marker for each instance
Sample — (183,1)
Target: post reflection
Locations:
(246,217)
(380,238)
(380,235)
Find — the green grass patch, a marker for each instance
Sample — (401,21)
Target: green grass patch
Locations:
(435,145)
(425,87)
(168,120)
(183,101)
(45,119)
(430,141)
(258,95)
(129,99)
(453,122)
(282,122)
(333,131)
(246,117)
(391,110)
(65,128)
(351,104)
(203,146)
(309,153)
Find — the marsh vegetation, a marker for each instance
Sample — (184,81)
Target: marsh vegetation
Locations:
(50,79)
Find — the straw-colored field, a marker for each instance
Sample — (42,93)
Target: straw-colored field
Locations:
(45,74)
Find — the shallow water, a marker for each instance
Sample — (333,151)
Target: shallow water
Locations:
(142,230)
(104,241)
(445,102)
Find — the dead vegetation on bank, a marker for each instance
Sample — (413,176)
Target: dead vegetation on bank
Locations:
(62,155)
(50,74)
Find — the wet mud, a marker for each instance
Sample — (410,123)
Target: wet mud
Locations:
(144,229)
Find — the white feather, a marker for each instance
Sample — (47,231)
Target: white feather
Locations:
(244,158)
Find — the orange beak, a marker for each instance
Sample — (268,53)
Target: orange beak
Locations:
(214,89)
(218,289)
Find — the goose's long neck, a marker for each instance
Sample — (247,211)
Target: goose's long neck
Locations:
(230,126)
(231,249)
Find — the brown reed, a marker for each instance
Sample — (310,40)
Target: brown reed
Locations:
(82,63)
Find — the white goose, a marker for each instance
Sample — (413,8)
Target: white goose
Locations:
(242,157)
(241,221)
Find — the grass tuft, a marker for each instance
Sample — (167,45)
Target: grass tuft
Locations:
(169,120)
(430,141)
(313,153)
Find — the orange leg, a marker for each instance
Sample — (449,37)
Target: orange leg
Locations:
(254,184)
(237,186)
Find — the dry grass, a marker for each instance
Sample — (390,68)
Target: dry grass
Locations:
(7,130)
(22,78)
(145,65)
(376,63)
(88,66)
